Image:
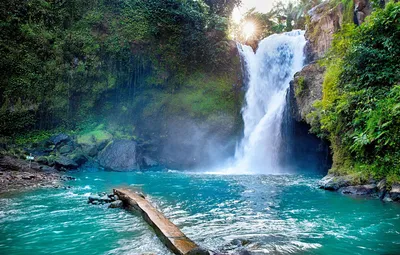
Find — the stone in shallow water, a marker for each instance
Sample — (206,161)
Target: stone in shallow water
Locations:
(105,199)
(360,190)
(387,198)
(116,204)
(395,192)
(93,198)
(331,182)
(198,251)
(382,189)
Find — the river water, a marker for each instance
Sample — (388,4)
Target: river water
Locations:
(269,214)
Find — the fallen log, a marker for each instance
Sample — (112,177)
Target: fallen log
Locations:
(168,232)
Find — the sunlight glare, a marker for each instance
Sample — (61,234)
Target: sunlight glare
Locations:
(236,16)
(248,29)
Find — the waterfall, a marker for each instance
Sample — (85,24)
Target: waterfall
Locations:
(268,73)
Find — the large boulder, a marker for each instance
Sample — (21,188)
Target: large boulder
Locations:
(94,141)
(334,183)
(120,155)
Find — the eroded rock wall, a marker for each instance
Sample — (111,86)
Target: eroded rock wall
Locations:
(325,20)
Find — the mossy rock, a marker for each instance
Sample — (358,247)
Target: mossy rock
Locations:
(42,160)
(78,157)
(51,160)
(93,137)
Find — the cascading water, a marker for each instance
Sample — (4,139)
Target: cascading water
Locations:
(269,72)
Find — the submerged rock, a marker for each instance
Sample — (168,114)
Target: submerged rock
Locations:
(102,198)
(116,204)
(382,189)
(93,198)
(198,251)
(334,183)
(360,190)
(387,198)
(121,155)
(395,192)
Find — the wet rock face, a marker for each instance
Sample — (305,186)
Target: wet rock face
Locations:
(362,8)
(324,22)
(120,155)
(307,87)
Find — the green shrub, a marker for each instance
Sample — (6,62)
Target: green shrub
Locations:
(360,109)
(300,85)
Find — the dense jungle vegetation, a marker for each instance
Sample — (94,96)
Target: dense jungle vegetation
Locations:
(65,63)
(72,64)
(360,109)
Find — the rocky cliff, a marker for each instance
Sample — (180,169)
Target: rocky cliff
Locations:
(324,21)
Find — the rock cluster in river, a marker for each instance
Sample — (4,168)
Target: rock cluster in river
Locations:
(63,152)
(104,198)
(19,174)
(60,152)
(344,185)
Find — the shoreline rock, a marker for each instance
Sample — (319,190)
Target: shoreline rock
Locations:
(16,175)
(112,200)
(344,185)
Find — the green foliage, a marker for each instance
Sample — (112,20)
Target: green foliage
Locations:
(36,136)
(283,17)
(360,109)
(68,62)
(96,136)
(300,85)
(199,95)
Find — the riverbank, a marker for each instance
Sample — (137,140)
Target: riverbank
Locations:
(17,175)
(347,185)
(222,213)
